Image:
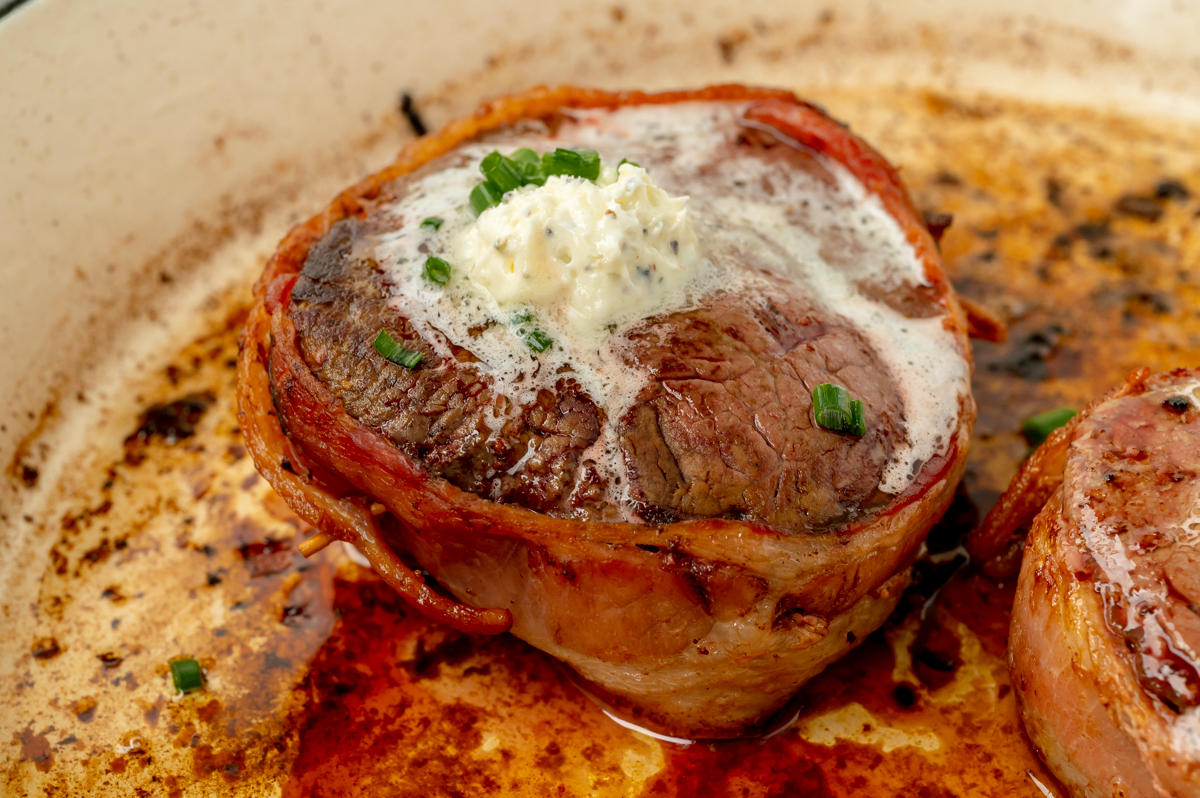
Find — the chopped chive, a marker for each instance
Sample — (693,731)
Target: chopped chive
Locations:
(538,341)
(1037,428)
(437,271)
(185,673)
(434,222)
(858,418)
(484,196)
(387,346)
(530,165)
(581,163)
(501,172)
(835,412)
(626,161)
(526,157)
(522,317)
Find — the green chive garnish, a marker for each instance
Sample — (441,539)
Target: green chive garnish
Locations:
(836,412)
(437,271)
(858,418)
(538,341)
(501,172)
(522,317)
(526,158)
(1037,428)
(434,222)
(581,163)
(484,196)
(387,346)
(626,161)
(185,673)
(530,165)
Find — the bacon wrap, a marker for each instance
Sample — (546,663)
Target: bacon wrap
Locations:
(1105,632)
(571,583)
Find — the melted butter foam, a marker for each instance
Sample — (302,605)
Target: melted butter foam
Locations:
(783,232)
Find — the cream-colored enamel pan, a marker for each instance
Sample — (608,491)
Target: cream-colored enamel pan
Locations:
(152,154)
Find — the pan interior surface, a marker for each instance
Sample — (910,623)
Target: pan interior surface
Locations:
(157,160)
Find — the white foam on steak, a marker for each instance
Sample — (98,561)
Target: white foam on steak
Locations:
(685,148)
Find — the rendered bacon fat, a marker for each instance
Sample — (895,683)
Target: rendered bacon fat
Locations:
(1106,631)
(696,547)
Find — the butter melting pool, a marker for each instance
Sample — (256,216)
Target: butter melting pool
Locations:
(1078,228)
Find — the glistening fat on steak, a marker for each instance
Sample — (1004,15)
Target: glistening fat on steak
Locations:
(1105,639)
(602,424)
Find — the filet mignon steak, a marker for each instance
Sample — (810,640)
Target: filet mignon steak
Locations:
(1105,639)
(655,504)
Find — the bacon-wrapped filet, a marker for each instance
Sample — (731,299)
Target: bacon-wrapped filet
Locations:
(632,479)
(1106,627)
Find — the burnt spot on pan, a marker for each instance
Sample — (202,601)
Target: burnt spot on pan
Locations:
(1147,209)
(1029,356)
(36,748)
(45,648)
(937,223)
(171,422)
(264,558)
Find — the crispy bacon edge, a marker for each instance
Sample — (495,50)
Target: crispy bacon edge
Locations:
(339,506)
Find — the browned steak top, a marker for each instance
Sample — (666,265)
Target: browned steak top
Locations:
(1130,499)
(723,428)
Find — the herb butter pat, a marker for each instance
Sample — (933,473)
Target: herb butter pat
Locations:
(589,254)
